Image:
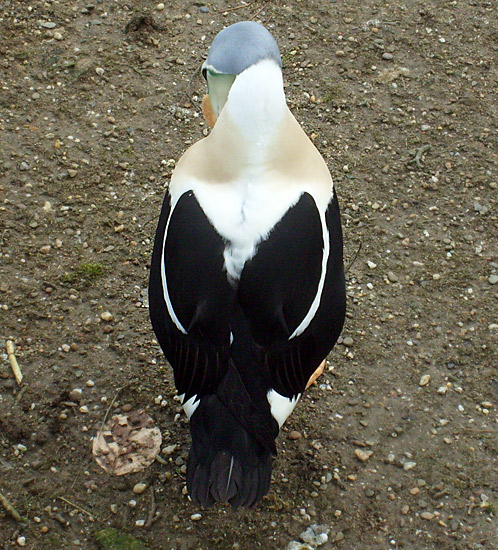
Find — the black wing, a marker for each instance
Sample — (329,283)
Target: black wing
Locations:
(200,295)
(278,286)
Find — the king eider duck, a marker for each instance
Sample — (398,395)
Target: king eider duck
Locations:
(246,292)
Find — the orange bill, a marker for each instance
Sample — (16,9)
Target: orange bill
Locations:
(207,111)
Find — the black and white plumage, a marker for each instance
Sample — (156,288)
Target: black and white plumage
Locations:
(247,293)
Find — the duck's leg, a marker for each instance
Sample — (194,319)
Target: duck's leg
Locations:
(316,374)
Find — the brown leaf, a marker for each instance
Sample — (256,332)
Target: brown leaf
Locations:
(127,443)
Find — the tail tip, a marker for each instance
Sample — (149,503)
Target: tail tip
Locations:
(225,480)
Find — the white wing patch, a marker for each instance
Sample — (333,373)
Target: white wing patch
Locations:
(281,407)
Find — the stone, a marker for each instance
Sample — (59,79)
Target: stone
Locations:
(106,316)
(139,488)
(424,380)
(493,279)
(362,455)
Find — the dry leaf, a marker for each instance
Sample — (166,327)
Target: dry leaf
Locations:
(127,443)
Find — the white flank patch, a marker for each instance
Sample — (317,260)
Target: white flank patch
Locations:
(190,405)
(281,407)
(167,299)
(303,325)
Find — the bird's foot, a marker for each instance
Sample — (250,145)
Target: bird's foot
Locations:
(316,374)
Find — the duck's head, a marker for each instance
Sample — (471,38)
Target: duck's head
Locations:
(234,49)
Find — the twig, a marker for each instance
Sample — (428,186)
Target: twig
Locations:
(353,260)
(161,460)
(186,93)
(13,361)
(263,7)
(110,406)
(9,508)
(2,238)
(237,7)
(419,153)
(151,516)
(91,516)
(20,394)
(150,221)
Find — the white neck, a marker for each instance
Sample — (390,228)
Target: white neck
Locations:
(256,107)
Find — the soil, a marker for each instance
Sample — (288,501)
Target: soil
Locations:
(397,444)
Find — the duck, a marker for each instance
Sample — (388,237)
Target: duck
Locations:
(247,289)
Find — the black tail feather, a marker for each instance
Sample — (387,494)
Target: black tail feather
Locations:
(226,463)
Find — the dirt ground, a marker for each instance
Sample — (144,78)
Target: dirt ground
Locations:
(398,444)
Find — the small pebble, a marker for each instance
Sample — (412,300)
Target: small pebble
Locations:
(72,173)
(45,249)
(196,517)
(139,488)
(493,279)
(106,316)
(369,493)
(294,435)
(388,56)
(405,509)
(424,380)
(100,71)
(21,541)
(348,341)
(409,466)
(427,515)
(296,545)
(140,522)
(58,35)
(316,535)
(160,6)
(169,450)
(84,409)
(414,491)
(90,384)
(393,278)
(362,455)
(75,395)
